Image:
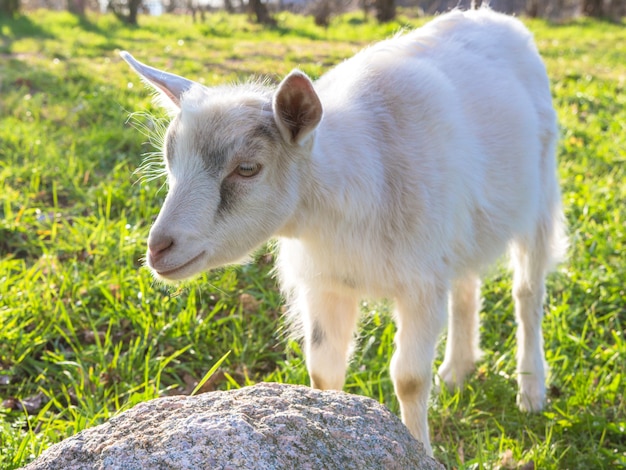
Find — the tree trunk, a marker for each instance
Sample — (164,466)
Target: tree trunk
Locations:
(133,10)
(385,10)
(262,14)
(616,9)
(365,6)
(593,8)
(321,13)
(171,6)
(119,10)
(76,7)
(9,8)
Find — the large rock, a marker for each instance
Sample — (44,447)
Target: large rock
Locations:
(267,426)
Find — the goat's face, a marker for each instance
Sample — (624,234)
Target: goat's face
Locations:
(232,184)
(235,158)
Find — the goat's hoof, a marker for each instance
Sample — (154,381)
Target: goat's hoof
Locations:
(532,395)
(453,374)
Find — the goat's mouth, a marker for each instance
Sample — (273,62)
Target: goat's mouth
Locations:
(182,270)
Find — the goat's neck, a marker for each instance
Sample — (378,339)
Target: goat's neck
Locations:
(342,179)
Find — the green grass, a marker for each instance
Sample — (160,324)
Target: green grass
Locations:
(85,331)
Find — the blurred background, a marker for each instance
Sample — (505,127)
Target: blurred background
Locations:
(263,10)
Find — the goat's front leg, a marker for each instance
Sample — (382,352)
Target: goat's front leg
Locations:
(329,322)
(420,319)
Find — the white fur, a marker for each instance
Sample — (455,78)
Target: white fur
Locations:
(402,174)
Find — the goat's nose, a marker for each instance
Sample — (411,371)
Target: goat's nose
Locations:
(159,246)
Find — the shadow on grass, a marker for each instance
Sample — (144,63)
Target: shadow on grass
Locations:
(12,29)
(16,242)
(585,21)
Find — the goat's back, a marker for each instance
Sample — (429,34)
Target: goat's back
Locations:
(435,151)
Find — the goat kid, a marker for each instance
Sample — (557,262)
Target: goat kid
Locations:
(401,173)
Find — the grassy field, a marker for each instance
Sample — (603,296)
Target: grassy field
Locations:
(85,331)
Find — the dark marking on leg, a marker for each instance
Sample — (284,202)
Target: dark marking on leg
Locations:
(349,282)
(407,389)
(318,336)
(316,382)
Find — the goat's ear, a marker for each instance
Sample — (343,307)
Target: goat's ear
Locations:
(169,85)
(297,108)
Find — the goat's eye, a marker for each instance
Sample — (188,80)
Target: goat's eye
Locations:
(248,170)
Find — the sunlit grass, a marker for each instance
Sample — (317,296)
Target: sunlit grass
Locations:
(85,331)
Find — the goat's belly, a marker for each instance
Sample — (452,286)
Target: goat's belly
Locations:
(362,271)
(373,283)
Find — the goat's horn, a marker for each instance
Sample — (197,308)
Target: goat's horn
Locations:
(168,83)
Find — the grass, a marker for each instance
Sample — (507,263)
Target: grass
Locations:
(85,331)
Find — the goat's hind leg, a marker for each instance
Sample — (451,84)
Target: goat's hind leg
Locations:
(329,324)
(531,260)
(462,350)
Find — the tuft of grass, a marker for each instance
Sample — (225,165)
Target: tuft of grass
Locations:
(85,332)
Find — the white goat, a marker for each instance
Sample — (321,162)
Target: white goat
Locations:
(401,173)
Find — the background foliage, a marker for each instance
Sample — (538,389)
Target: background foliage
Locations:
(85,331)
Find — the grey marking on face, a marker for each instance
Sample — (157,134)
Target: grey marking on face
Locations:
(266,131)
(216,151)
(228,194)
(214,158)
(230,190)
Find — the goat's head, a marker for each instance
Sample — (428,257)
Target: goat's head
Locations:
(235,158)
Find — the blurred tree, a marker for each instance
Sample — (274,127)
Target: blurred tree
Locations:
(125,11)
(593,8)
(76,7)
(261,12)
(195,8)
(321,10)
(616,9)
(324,10)
(385,10)
(9,7)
